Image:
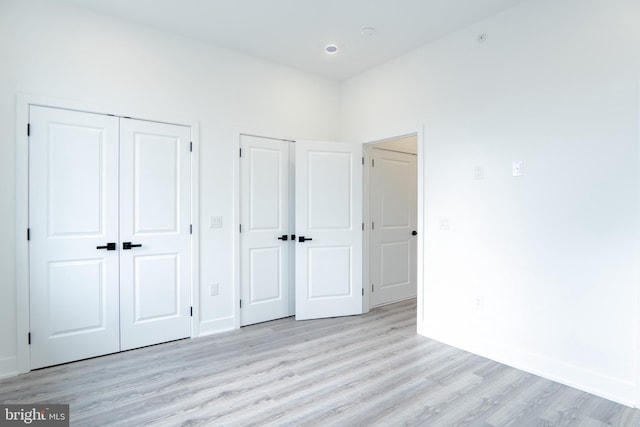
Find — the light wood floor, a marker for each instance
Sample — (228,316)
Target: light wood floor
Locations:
(363,370)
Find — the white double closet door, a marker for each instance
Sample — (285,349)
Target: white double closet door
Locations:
(301,229)
(109,219)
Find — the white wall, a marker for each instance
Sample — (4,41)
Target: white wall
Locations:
(539,271)
(56,50)
(552,254)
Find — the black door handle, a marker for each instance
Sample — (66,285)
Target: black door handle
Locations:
(293,237)
(414,233)
(129,245)
(108,246)
(283,237)
(302,239)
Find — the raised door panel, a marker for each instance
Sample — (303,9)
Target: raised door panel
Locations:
(329,190)
(396,191)
(73,198)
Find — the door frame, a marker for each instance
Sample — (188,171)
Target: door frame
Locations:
(418,132)
(23,104)
(366,200)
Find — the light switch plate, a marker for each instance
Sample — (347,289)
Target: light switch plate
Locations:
(215,222)
(478,173)
(444,224)
(517,168)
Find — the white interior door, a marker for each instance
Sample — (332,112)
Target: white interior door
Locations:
(328,259)
(155,223)
(265,238)
(394,225)
(73,215)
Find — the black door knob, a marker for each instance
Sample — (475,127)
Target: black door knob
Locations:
(129,245)
(283,237)
(414,233)
(302,239)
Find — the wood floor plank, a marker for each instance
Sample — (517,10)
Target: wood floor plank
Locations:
(369,370)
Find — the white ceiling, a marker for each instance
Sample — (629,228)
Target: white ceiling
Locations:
(294,32)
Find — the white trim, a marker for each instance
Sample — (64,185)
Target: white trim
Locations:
(235,229)
(217,326)
(366,219)
(23,356)
(8,367)
(609,388)
(23,104)
(195,221)
(421,226)
(636,358)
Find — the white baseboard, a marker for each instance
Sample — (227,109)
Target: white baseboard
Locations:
(8,367)
(614,389)
(216,326)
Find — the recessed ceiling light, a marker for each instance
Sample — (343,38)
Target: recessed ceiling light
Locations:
(367,31)
(331,49)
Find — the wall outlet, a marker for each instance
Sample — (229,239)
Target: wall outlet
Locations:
(479,303)
(444,224)
(213,290)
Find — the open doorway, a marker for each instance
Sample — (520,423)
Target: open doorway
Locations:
(391,205)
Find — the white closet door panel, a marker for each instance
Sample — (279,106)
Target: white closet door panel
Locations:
(154,213)
(265,262)
(394,210)
(73,196)
(328,211)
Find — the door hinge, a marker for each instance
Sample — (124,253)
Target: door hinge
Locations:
(373,163)
(29,338)
(241,152)
(191,147)
(372,287)
(240,303)
(28,129)
(363,226)
(362,291)
(240,228)
(191,311)
(373,225)
(190,228)
(28,234)
(363,160)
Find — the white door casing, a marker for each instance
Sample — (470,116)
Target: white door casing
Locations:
(265,238)
(73,196)
(394,219)
(328,197)
(155,214)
